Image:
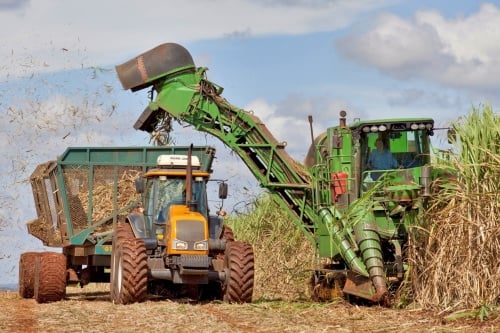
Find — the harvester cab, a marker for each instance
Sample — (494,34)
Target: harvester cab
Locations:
(392,151)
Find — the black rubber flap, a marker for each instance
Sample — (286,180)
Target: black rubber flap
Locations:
(147,121)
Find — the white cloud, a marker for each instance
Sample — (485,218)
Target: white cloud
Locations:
(12,4)
(460,52)
(70,34)
(287,128)
(288,120)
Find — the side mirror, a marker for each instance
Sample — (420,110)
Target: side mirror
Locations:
(139,185)
(222,190)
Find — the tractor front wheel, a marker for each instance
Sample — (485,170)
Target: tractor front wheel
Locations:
(227,234)
(129,272)
(239,267)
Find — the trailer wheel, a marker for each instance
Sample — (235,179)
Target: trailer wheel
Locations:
(129,272)
(239,266)
(50,277)
(27,274)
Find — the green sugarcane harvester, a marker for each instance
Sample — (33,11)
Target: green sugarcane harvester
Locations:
(358,219)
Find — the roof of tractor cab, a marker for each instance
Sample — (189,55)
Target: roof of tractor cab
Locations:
(175,173)
(393,124)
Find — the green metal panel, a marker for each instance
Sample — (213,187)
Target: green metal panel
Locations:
(103,249)
(94,163)
(129,156)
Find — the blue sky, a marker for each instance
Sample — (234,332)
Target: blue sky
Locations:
(282,59)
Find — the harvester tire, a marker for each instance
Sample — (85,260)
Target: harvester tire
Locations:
(27,274)
(50,277)
(129,272)
(239,267)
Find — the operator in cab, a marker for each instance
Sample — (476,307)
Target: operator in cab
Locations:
(381,158)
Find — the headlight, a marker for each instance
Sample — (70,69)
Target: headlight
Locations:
(179,245)
(200,246)
(159,233)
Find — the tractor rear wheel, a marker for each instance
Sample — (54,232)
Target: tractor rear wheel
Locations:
(27,274)
(50,277)
(129,272)
(239,266)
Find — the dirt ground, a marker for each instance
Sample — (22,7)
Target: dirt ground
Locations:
(86,310)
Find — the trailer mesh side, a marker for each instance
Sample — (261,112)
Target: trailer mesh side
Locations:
(95,199)
(95,196)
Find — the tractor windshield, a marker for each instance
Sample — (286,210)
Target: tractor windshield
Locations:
(162,192)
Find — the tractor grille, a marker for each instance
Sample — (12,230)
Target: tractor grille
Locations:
(194,261)
(190,231)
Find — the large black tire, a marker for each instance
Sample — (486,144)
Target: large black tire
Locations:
(214,290)
(227,233)
(50,277)
(124,231)
(27,274)
(129,272)
(239,266)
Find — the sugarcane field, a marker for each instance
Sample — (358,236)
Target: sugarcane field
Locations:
(250,166)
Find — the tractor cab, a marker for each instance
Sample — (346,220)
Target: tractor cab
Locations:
(165,187)
(174,204)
